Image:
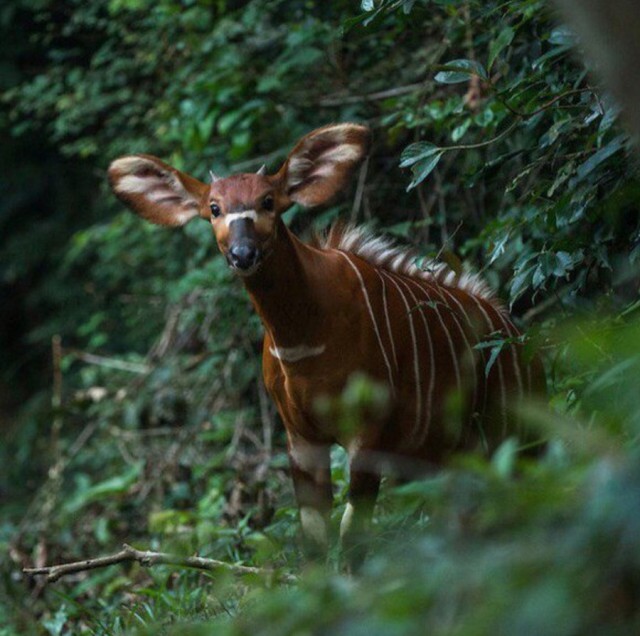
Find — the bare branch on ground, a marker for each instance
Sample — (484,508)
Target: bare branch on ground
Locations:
(149,558)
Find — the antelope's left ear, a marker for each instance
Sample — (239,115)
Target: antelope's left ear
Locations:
(157,191)
(322,162)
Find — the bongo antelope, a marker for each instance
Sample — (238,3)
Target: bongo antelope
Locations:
(352,303)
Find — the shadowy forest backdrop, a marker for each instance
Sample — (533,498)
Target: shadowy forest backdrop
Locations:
(130,400)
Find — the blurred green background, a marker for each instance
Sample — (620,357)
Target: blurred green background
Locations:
(130,400)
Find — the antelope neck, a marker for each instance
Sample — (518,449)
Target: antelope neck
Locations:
(283,293)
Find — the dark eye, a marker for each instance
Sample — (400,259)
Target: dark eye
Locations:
(215,209)
(267,203)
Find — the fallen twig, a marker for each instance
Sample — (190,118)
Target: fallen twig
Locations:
(148,558)
(111,363)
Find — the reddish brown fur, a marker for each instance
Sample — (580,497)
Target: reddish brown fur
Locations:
(348,315)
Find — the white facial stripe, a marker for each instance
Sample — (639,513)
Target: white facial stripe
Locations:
(294,354)
(247,214)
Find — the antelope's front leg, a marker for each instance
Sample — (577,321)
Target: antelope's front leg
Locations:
(363,492)
(311,473)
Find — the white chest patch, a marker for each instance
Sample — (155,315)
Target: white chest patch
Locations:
(293,354)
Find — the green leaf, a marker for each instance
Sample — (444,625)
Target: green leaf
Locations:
(495,352)
(539,277)
(104,489)
(499,247)
(415,152)
(458,71)
(520,282)
(599,157)
(564,263)
(56,624)
(423,168)
(563,35)
(505,37)
(556,51)
(459,131)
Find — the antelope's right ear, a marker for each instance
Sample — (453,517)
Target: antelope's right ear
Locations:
(322,162)
(156,191)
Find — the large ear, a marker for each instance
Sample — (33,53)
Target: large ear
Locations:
(322,162)
(156,191)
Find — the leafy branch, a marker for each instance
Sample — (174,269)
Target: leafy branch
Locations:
(423,157)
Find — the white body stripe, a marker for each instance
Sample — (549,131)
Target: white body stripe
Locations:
(438,290)
(234,216)
(386,316)
(444,290)
(416,366)
(421,434)
(452,349)
(294,354)
(498,364)
(509,328)
(373,317)
(516,367)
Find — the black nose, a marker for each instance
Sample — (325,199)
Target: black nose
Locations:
(243,255)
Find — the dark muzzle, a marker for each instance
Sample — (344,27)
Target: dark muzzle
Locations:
(244,255)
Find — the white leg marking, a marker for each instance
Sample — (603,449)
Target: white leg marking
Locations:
(294,354)
(247,214)
(314,525)
(347,519)
(373,318)
(416,365)
(311,458)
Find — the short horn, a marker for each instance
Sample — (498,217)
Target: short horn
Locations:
(263,170)
(214,177)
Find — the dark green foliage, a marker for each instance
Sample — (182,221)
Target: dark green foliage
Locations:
(493,148)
